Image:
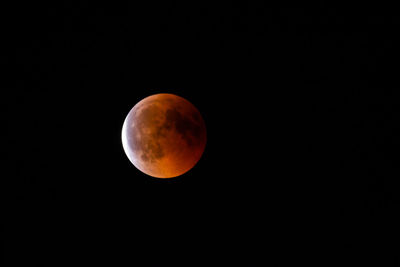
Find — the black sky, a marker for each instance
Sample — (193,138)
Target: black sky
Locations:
(302,113)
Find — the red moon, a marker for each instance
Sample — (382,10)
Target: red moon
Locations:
(164,135)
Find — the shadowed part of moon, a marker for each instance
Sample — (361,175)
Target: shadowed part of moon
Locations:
(164,135)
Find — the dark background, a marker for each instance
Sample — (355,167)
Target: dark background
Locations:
(302,114)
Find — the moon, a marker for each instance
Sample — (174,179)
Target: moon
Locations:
(164,135)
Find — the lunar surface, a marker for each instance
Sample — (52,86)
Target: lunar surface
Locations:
(164,135)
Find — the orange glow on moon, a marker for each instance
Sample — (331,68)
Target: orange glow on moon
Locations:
(164,135)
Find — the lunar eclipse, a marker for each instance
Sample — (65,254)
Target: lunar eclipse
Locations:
(164,135)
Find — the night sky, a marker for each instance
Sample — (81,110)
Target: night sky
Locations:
(302,110)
